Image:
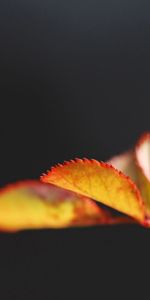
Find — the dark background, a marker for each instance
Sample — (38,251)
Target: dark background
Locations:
(74,82)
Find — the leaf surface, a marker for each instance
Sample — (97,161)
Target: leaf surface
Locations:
(99,181)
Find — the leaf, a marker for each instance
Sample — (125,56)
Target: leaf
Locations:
(142,158)
(142,152)
(33,205)
(99,181)
(66,200)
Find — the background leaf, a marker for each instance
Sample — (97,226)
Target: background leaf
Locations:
(33,205)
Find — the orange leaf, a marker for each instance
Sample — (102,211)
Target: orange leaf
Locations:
(99,181)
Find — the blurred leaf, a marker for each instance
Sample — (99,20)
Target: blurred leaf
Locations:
(33,205)
(142,159)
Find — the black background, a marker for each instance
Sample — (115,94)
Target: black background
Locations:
(74,82)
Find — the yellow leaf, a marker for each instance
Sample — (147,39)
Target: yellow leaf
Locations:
(34,205)
(101,182)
